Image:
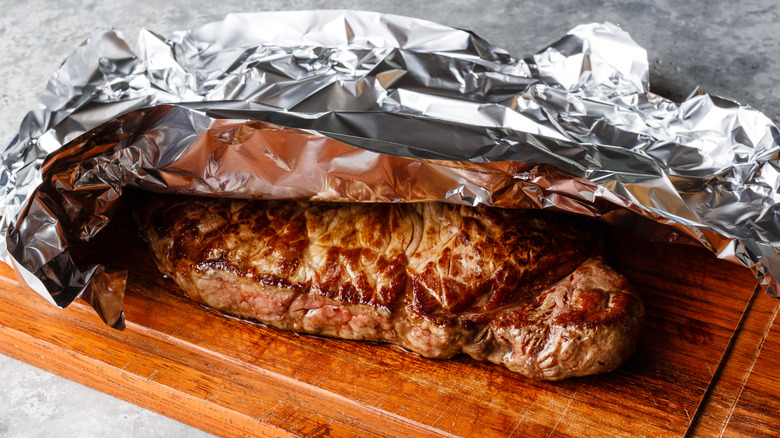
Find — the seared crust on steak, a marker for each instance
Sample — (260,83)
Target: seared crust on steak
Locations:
(524,289)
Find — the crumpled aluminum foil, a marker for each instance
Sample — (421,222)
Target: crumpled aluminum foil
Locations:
(361,106)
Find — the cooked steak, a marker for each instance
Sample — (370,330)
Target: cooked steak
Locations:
(525,289)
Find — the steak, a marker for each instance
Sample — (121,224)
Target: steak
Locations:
(524,289)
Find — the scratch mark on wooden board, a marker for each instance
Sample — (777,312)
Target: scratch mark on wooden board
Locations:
(519,419)
(748,373)
(444,395)
(649,392)
(563,414)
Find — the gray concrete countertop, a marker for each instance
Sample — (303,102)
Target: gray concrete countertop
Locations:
(727,47)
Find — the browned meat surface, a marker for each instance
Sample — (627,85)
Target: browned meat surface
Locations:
(523,289)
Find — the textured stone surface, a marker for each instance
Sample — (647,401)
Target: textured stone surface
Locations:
(35,403)
(727,47)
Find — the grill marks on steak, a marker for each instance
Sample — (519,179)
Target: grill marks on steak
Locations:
(521,289)
(358,258)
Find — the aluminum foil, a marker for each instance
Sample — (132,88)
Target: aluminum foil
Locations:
(367,107)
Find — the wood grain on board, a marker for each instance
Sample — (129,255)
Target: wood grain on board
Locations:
(691,373)
(754,411)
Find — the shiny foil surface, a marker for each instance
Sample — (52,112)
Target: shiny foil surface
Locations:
(368,107)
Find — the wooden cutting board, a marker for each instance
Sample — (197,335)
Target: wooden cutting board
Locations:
(706,363)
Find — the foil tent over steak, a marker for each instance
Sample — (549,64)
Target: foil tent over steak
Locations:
(353,106)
